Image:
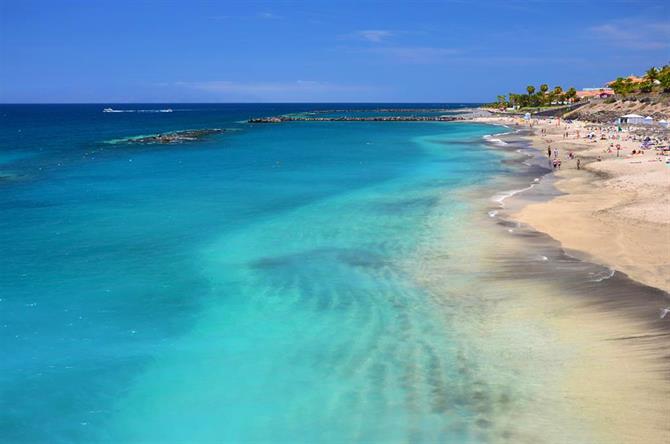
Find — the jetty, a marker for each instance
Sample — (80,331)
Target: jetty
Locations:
(281,119)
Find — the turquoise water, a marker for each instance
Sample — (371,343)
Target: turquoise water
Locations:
(249,287)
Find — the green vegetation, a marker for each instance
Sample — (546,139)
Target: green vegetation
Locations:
(655,80)
(543,98)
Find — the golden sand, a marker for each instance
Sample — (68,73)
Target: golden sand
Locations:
(598,362)
(615,212)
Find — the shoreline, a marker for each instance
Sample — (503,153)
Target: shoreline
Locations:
(610,342)
(615,212)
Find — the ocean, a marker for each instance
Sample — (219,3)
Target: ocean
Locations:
(297,282)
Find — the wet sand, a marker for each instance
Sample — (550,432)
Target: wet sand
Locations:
(577,352)
(615,212)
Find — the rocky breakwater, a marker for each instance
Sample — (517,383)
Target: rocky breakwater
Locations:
(280,119)
(172,137)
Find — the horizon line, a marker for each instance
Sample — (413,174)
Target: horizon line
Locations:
(226,103)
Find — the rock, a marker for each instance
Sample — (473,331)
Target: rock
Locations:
(174,137)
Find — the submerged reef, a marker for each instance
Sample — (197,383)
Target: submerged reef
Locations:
(172,137)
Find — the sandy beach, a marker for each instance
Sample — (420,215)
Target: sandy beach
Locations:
(615,210)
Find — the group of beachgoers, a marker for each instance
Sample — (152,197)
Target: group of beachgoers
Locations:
(648,139)
(610,141)
(555,160)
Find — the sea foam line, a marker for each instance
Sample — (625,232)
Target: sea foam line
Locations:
(500,197)
(603,275)
(494,140)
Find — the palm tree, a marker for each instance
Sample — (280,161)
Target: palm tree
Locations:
(543,89)
(558,93)
(652,73)
(530,89)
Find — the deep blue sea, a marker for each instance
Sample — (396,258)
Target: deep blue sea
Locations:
(253,286)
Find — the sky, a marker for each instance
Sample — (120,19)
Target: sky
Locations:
(57,51)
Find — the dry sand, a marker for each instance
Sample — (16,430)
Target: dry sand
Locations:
(576,360)
(615,212)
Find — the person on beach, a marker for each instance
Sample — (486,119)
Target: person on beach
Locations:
(579,164)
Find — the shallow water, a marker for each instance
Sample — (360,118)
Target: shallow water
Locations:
(303,282)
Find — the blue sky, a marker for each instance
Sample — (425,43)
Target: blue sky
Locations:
(296,51)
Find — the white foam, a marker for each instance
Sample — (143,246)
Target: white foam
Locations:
(604,275)
(500,197)
(494,140)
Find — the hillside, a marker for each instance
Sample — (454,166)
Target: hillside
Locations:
(608,110)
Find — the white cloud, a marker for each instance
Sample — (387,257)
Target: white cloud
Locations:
(269,16)
(373,35)
(634,34)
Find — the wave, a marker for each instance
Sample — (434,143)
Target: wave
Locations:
(494,140)
(500,197)
(603,275)
(503,134)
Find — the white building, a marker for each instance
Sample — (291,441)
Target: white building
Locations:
(631,119)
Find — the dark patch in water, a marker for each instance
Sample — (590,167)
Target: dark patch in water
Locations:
(351,257)
(451,143)
(517,142)
(408,204)
(25,204)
